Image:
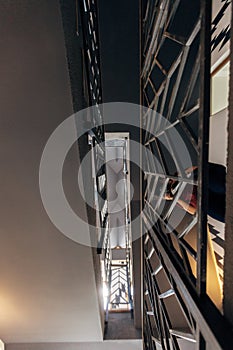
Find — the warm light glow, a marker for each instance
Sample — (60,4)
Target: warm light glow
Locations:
(2,346)
(105,290)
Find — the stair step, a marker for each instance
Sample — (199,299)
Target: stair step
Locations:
(157,342)
(167,294)
(184,334)
(146,239)
(151,253)
(156,271)
(150,313)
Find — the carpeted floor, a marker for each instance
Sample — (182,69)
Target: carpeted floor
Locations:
(121,326)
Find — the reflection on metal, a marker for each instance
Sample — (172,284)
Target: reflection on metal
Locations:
(181,285)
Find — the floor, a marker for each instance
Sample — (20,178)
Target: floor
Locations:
(121,326)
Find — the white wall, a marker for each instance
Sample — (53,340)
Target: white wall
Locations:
(106,345)
(48,290)
(218,137)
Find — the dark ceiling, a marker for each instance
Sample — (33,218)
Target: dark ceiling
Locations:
(119,51)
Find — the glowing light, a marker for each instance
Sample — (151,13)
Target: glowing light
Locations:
(2,346)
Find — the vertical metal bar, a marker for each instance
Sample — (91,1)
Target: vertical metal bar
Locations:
(201,344)
(109,295)
(203,144)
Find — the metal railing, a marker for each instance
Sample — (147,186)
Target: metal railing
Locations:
(179,308)
(91,53)
(117,278)
(87,11)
